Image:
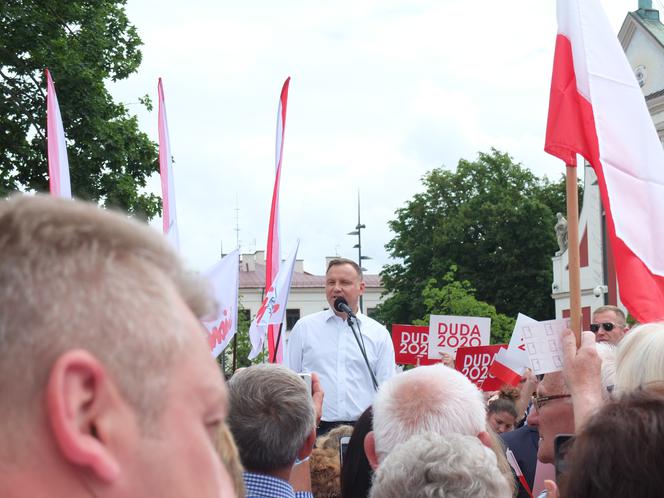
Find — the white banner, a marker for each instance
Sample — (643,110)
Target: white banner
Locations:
(448,333)
(225,280)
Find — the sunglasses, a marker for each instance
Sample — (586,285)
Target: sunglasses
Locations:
(540,401)
(607,326)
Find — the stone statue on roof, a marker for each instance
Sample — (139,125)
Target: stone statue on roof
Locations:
(561,233)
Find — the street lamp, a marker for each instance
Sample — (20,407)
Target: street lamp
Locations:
(358,246)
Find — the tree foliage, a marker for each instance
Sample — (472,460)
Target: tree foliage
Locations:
(493,219)
(83,43)
(457,297)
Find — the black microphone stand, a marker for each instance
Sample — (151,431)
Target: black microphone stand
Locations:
(361,346)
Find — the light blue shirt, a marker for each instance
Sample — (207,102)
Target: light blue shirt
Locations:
(264,486)
(325,344)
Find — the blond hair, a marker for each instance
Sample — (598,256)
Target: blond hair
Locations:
(230,457)
(73,276)
(640,358)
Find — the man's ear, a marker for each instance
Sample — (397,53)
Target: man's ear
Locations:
(308,445)
(485,438)
(80,398)
(370,449)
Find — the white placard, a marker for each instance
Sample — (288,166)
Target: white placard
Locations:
(448,333)
(543,341)
(517,347)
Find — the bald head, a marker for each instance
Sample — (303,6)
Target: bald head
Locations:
(434,399)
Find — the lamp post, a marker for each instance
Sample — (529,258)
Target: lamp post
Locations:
(358,246)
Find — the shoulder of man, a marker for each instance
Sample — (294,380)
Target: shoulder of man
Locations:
(369,322)
(311,318)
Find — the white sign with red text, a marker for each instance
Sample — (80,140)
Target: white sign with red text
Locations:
(448,333)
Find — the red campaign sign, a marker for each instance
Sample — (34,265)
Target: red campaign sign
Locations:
(474,363)
(411,344)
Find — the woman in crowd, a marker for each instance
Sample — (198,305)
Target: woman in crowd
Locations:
(501,411)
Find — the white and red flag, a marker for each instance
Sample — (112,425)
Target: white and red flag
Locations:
(225,280)
(166,172)
(597,110)
(274,304)
(510,364)
(58,164)
(273,253)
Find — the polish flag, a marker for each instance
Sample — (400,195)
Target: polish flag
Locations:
(166,172)
(225,280)
(597,110)
(273,253)
(511,459)
(510,364)
(273,307)
(507,367)
(58,164)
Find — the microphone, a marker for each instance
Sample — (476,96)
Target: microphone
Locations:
(341,305)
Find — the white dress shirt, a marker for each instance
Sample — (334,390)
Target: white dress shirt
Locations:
(325,344)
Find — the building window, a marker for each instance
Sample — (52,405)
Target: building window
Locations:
(292,316)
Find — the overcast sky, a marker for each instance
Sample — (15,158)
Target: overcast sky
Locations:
(382,91)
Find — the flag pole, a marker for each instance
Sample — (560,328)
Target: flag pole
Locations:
(276,344)
(573,251)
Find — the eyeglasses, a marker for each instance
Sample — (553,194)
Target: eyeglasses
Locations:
(607,326)
(540,401)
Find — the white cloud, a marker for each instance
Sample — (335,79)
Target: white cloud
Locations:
(381,93)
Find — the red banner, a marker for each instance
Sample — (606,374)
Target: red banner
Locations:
(411,344)
(474,363)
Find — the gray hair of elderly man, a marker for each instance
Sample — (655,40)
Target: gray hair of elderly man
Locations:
(432,465)
(271,417)
(432,398)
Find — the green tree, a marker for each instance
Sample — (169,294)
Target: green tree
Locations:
(83,44)
(457,297)
(493,219)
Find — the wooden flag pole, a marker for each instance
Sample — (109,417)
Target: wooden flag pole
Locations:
(573,252)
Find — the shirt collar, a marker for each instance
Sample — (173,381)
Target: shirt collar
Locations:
(330,314)
(261,485)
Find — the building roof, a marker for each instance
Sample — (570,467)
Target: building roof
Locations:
(649,19)
(301,280)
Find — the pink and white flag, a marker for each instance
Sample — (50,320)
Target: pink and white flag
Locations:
(597,110)
(166,172)
(225,280)
(58,163)
(273,253)
(274,304)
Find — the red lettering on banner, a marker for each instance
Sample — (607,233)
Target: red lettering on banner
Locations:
(218,334)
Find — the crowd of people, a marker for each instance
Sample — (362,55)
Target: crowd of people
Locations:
(108,389)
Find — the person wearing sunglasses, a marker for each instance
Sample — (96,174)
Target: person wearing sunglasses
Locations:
(609,324)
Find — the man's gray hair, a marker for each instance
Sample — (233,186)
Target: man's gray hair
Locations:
(271,414)
(75,276)
(431,466)
(432,398)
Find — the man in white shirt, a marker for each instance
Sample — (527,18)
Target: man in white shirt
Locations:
(324,343)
